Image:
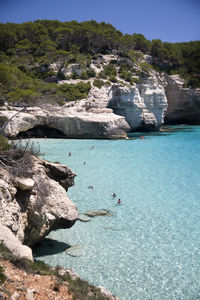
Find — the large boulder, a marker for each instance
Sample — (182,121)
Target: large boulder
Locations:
(33,209)
(9,240)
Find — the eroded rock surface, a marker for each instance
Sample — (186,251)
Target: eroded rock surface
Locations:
(183,103)
(73,122)
(32,209)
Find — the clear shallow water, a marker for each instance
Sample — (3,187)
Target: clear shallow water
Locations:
(150,248)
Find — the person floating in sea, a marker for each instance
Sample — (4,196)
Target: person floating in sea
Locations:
(114,195)
(119,201)
(70,154)
(84,163)
(91,187)
(92,147)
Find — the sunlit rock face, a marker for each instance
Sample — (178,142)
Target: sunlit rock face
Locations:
(183,103)
(142,105)
(33,206)
(76,122)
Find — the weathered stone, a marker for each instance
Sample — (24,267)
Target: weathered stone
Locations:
(73,122)
(12,191)
(14,296)
(31,216)
(107,293)
(183,103)
(13,244)
(96,213)
(75,250)
(83,218)
(143,105)
(24,184)
(30,294)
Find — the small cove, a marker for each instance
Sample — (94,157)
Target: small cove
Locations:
(149,248)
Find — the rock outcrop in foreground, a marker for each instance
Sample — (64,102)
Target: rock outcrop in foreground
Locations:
(32,207)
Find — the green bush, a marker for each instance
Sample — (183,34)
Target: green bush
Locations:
(146,67)
(126,75)
(2,275)
(110,70)
(136,80)
(4,143)
(113,78)
(80,288)
(73,92)
(99,83)
(90,73)
(102,75)
(3,120)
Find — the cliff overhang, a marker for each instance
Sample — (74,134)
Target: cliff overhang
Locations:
(33,205)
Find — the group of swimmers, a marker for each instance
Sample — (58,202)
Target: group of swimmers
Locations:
(119,200)
(113,195)
(91,186)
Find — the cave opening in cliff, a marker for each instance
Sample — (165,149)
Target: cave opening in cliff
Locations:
(42,131)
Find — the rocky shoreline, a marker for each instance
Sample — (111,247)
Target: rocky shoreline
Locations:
(34,205)
(35,202)
(108,112)
(31,207)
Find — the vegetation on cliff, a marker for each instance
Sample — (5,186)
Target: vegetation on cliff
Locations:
(61,282)
(16,157)
(28,50)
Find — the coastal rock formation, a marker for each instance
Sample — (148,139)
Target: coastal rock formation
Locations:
(10,241)
(143,105)
(109,111)
(32,209)
(73,122)
(183,103)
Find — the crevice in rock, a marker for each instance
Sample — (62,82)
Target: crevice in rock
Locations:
(42,131)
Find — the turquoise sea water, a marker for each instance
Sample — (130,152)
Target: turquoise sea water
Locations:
(150,247)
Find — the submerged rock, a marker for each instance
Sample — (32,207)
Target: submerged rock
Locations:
(83,218)
(96,213)
(75,250)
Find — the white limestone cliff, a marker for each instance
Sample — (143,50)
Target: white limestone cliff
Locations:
(73,122)
(143,105)
(183,103)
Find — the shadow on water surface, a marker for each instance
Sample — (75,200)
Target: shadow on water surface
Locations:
(49,247)
(164,131)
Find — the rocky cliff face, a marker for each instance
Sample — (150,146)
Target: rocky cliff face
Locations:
(111,110)
(143,105)
(183,103)
(33,206)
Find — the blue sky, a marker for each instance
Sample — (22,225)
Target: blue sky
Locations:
(169,20)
